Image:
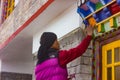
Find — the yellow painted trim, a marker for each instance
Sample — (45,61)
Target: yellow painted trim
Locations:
(103,63)
(112,46)
(117,64)
(111,22)
(99,28)
(109,65)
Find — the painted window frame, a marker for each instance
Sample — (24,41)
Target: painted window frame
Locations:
(99,41)
(112,64)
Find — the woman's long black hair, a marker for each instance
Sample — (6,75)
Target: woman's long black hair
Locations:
(46,41)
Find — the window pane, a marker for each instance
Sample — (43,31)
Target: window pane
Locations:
(117,54)
(109,56)
(117,73)
(109,73)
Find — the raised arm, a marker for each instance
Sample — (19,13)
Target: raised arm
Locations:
(67,56)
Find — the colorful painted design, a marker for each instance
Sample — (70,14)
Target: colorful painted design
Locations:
(103,14)
(118,1)
(91,5)
(98,5)
(84,11)
(88,9)
(92,21)
(118,20)
(86,22)
(113,23)
(101,28)
(8,6)
(114,8)
(106,1)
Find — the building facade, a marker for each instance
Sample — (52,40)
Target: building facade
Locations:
(22,25)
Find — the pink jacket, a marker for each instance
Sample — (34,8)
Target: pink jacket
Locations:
(50,70)
(55,68)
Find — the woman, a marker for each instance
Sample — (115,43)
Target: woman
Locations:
(52,62)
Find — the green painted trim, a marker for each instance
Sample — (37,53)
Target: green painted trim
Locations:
(102,28)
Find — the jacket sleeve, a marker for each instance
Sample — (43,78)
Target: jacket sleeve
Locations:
(66,56)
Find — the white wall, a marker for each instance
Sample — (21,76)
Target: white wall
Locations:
(61,25)
(17,67)
(16,2)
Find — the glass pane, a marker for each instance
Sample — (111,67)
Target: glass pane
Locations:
(117,73)
(117,54)
(109,73)
(109,56)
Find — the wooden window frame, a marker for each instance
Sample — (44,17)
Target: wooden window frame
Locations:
(112,64)
(99,41)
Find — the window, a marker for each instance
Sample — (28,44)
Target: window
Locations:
(111,61)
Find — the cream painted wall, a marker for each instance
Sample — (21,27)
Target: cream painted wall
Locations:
(61,25)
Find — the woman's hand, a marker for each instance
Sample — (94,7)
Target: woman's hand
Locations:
(89,30)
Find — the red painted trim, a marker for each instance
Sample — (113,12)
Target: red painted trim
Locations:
(26,23)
